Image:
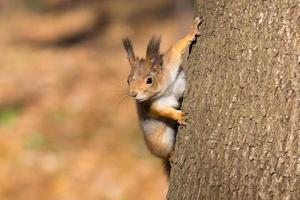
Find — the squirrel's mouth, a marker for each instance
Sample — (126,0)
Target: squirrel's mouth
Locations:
(145,97)
(141,99)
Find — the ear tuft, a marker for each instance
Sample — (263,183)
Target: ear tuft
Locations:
(152,53)
(129,49)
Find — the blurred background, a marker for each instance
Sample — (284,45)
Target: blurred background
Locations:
(66,132)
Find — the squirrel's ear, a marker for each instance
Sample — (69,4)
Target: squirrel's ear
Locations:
(129,50)
(152,53)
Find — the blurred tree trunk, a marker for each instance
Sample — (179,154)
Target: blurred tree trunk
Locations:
(242,140)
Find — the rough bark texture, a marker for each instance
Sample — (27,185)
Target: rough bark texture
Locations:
(242,140)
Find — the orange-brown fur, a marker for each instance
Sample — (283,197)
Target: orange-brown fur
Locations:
(168,112)
(174,54)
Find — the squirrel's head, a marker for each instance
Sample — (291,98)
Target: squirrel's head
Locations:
(145,76)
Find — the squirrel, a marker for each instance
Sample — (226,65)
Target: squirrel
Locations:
(157,84)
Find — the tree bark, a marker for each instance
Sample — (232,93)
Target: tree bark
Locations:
(242,140)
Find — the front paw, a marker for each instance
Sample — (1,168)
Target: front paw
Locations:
(181,118)
(196,22)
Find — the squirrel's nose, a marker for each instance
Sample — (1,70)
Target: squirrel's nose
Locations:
(133,94)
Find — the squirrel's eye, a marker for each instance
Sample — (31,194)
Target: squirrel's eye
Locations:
(149,81)
(128,81)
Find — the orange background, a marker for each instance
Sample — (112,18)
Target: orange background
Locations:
(66,133)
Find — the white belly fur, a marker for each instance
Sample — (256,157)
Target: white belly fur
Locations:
(170,97)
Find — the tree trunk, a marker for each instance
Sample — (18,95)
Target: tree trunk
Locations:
(242,140)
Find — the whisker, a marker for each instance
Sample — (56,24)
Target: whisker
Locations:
(124,93)
(117,91)
(123,99)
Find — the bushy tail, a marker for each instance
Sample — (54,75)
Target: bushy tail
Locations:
(167,167)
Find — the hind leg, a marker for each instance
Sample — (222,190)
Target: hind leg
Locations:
(161,141)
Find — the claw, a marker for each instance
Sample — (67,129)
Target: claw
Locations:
(181,119)
(196,22)
(182,122)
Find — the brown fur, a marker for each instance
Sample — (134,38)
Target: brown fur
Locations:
(140,71)
(129,49)
(153,55)
(158,68)
(167,167)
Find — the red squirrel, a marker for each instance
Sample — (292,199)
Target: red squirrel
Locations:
(157,83)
